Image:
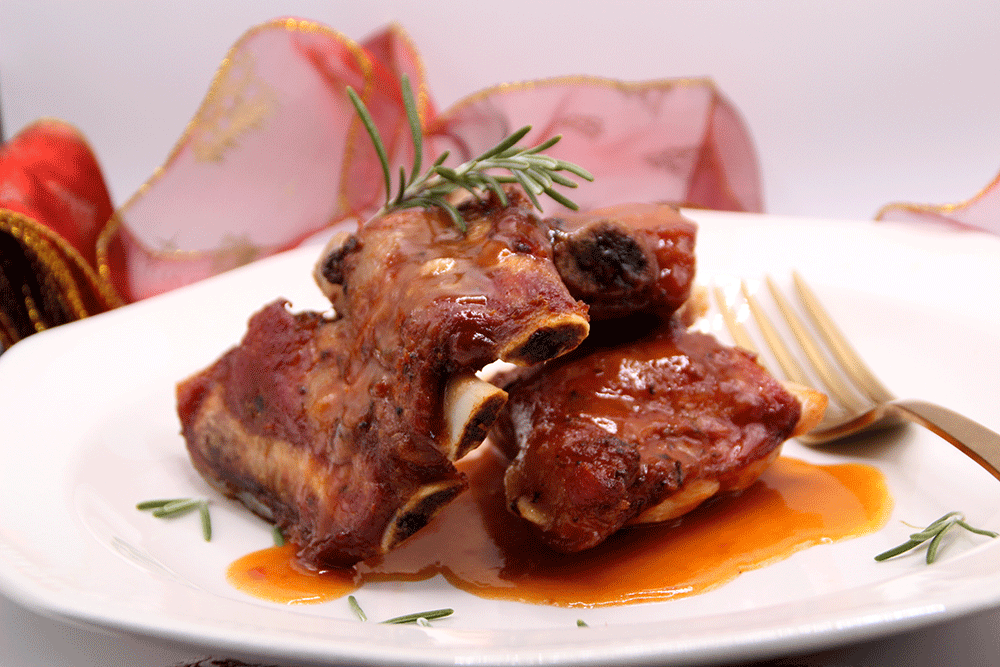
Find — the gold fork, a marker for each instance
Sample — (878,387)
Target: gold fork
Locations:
(864,402)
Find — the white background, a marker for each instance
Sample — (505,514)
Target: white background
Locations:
(852,105)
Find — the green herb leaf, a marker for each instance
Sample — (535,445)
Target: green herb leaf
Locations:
(369,123)
(352,602)
(414,618)
(933,535)
(206,521)
(155,504)
(178,507)
(169,508)
(416,132)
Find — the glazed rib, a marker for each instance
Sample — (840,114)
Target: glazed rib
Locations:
(343,429)
(626,259)
(637,428)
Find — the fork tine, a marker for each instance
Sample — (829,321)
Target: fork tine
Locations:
(827,373)
(786,360)
(736,330)
(849,360)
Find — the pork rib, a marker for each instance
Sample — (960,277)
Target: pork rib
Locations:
(343,429)
(626,259)
(637,428)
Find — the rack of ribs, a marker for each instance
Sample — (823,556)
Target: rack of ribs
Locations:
(343,429)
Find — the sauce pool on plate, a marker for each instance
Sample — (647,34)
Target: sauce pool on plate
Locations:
(479,547)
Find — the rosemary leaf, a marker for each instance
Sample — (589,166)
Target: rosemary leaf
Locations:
(977,531)
(453,213)
(178,507)
(416,132)
(504,145)
(206,520)
(575,169)
(540,161)
(352,602)
(539,177)
(934,533)
(493,185)
(933,547)
(155,504)
(895,551)
(560,198)
(529,187)
(412,618)
(402,185)
(562,180)
(366,120)
(545,145)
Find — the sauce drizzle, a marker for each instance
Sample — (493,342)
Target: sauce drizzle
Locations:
(477,546)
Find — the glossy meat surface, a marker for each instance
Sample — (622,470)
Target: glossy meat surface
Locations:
(343,430)
(267,424)
(490,293)
(626,259)
(640,424)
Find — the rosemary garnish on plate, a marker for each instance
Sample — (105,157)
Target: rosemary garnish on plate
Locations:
(168,508)
(420,618)
(535,172)
(352,602)
(934,533)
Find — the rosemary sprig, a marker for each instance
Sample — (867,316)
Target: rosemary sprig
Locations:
(534,171)
(168,508)
(933,534)
(416,617)
(420,618)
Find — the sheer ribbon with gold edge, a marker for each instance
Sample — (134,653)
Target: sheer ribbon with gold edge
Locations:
(981,212)
(276,154)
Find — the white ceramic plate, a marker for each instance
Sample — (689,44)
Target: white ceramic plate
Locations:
(88,428)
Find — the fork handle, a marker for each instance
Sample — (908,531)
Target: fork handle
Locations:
(978,442)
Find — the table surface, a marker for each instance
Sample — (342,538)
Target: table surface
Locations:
(852,104)
(30,640)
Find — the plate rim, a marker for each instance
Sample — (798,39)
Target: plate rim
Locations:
(33,594)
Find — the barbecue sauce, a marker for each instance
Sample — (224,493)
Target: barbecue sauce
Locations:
(480,548)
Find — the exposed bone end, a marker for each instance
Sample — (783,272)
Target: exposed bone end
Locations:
(552,336)
(603,256)
(471,406)
(813,407)
(328,272)
(531,512)
(418,510)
